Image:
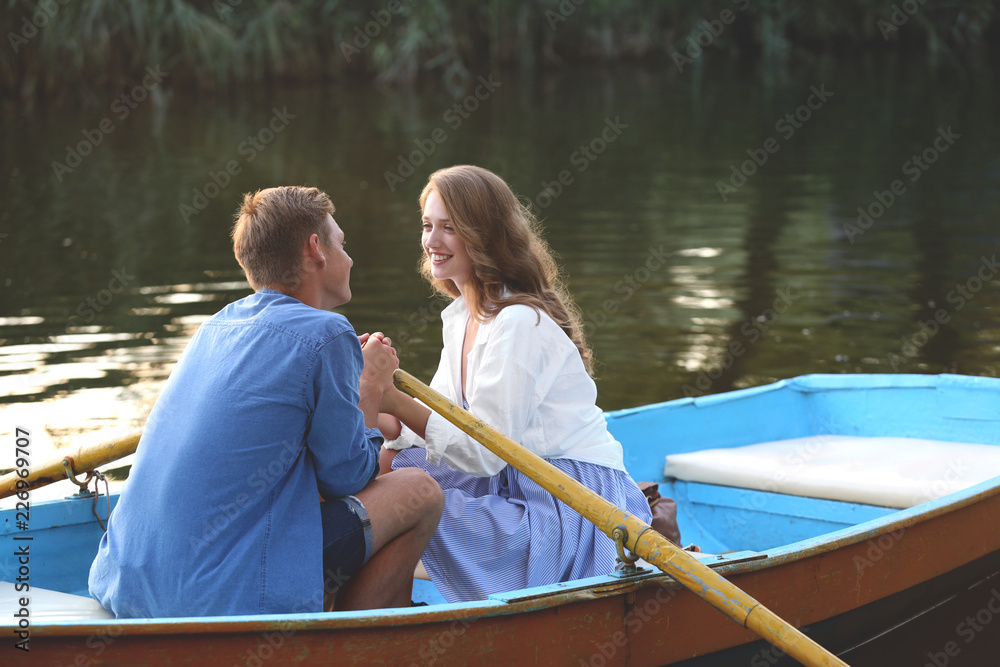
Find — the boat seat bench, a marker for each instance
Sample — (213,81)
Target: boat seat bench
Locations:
(58,607)
(52,606)
(882,471)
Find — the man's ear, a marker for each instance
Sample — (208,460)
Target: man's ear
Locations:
(314,252)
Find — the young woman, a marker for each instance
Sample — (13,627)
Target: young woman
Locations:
(515,356)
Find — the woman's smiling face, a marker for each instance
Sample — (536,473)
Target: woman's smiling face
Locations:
(446,251)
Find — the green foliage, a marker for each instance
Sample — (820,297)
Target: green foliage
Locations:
(88,49)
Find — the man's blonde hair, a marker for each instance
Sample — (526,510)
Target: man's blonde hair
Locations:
(271,228)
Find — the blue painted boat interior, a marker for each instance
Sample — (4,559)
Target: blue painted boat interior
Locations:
(954,408)
(717,518)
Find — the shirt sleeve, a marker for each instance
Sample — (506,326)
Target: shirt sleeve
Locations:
(502,390)
(344,450)
(407,438)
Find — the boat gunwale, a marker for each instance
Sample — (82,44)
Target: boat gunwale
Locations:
(812,383)
(602,587)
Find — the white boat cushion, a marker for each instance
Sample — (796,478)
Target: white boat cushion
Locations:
(889,472)
(49,606)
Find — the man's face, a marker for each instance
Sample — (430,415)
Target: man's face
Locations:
(337,272)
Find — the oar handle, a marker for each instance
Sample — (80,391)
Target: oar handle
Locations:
(641,539)
(84,459)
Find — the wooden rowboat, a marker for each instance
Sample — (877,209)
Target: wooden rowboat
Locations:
(895,544)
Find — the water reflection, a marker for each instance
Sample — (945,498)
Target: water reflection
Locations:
(83,381)
(106,277)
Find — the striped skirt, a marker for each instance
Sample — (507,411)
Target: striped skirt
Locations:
(505,532)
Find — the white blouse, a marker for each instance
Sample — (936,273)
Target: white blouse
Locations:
(525,378)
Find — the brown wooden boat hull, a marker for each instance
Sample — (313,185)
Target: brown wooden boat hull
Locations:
(645,621)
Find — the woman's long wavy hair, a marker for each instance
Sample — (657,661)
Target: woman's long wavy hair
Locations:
(506,247)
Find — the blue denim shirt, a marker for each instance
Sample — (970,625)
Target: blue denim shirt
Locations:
(220,514)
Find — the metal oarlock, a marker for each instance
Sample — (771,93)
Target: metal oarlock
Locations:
(67,464)
(626,566)
(85,492)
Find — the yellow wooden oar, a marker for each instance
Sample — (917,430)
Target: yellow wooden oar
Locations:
(77,461)
(640,538)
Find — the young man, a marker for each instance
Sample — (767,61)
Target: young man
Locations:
(271,406)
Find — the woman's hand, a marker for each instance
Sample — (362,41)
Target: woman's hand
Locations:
(376,377)
(392,401)
(380,360)
(363,338)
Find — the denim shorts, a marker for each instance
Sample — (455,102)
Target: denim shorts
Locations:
(347,539)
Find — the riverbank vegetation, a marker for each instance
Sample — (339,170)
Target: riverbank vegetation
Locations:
(85,50)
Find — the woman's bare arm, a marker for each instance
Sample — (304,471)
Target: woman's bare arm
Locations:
(411,413)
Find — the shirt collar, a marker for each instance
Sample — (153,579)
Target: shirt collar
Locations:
(459,309)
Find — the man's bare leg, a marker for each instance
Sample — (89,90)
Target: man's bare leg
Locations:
(404,507)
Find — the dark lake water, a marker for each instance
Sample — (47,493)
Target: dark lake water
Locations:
(708,223)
